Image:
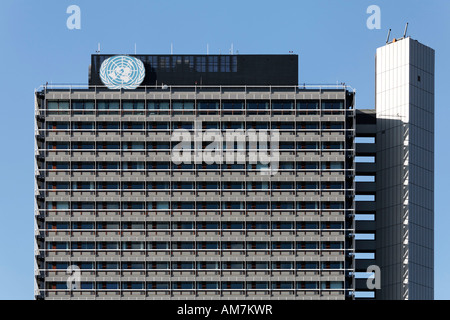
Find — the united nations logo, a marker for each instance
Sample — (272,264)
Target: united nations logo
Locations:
(122,72)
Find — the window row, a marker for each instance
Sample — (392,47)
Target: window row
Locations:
(199,265)
(160,125)
(167,145)
(202,285)
(164,205)
(190,225)
(236,185)
(190,245)
(153,165)
(136,105)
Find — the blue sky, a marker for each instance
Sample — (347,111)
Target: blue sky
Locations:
(330,37)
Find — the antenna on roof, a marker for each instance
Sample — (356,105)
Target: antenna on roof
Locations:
(232,49)
(98,48)
(406,29)
(171,48)
(389,34)
(135,48)
(207,48)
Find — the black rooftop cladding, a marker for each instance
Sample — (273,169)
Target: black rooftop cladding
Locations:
(210,69)
(366,116)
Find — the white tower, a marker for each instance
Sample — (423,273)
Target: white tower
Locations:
(405,169)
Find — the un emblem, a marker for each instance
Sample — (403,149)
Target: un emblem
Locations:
(122,72)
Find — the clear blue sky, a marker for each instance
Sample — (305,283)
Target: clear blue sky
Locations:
(331,38)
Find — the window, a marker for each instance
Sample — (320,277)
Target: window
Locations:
(282,205)
(83,225)
(158,245)
(57,126)
(133,245)
(183,225)
(207,245)
(332,205)
(83,126)
(286,265)
(332,285)
(331,104)
(279,245)
(107,285)
(332,225)
(158,265)
(307,145)
(230,105)
(207,265)
(133,205)
(57,205)
(56,245)
(332,125)
(277,105)
(332,145)
(307,126)
(307,185)
(332,185)
(133,107)
(332,165)
(133,185)
(232,285)
(257,245)
(83,185)
(133,265)
(307,285)
(158,225)
(257,105)
(202,105)
(58,145)
(133,126)
(58,185)
(331,245)
(207,285)
(307,105)
(305,265)
(83,107)
(127,145)
(83,145)
(158,105)
(183,105)
(233,225)
(185,245)
(108,107)
(232,265)
(282,285)
(61,107)
(157,285)
(158,125)
(308,225)
(58,225)
(305,245)
(257,205)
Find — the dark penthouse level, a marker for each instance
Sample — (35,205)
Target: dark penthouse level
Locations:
(210,69)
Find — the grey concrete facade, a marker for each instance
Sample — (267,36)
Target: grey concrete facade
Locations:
(110,201)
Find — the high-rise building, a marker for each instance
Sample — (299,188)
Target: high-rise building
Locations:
(209,177)
(399,136)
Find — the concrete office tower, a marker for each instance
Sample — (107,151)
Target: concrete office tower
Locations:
(111,201)
(405,169)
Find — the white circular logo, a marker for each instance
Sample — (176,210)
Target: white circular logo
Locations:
(122,72)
